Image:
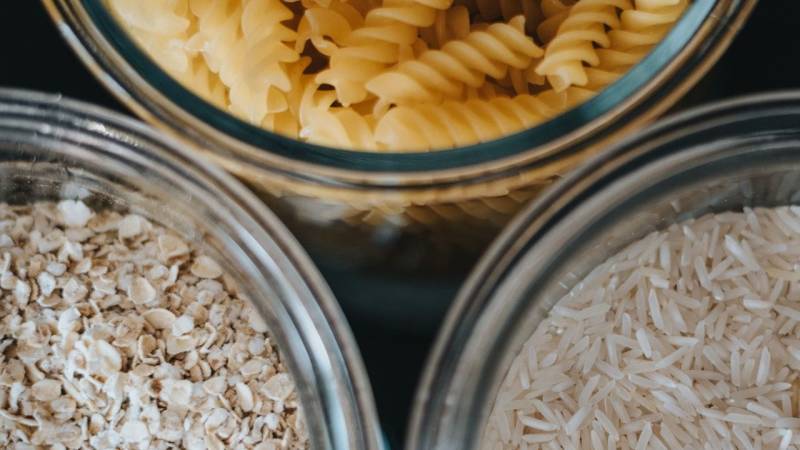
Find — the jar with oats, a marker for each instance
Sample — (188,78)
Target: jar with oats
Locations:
(408,152)
(150,301)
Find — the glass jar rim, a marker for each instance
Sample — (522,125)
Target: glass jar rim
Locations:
(706,27)
(27,117)
(501,279)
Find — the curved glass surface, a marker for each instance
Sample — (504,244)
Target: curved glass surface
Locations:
(718,158)
(51,148)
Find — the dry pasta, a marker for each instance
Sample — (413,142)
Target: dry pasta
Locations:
(397,75)
(460,62)
(429,126)
(161,28)
(246,44)
(553,14)
(453,23)
(371,49)
(574,45)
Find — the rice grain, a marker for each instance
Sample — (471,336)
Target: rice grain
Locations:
(686,339)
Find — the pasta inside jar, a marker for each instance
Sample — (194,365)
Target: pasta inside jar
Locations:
(397,75)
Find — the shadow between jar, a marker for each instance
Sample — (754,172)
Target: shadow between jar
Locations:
(725,156)
(51,148)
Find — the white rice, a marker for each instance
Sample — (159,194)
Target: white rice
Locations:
(685,340)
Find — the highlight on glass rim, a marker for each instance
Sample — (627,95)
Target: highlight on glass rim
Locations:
(397,75)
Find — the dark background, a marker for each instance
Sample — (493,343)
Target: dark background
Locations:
(763,57)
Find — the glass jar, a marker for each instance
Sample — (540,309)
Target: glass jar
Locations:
(717,158)
(51,148)
(395,213)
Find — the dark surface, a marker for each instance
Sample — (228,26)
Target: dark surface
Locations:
(763,57)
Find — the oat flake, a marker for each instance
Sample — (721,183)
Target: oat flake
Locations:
(125,337)
(159,318)
(141,291)
(205,267)
(46,390)
(74,213)
(131,226)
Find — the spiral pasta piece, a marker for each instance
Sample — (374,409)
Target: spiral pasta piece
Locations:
(553,14)
(217,29)
(205,83)
(533,15)
(452,123)
(453,23)
(573,46)
(493,10)
(311,116)
(369,50)
(646,23)
(460,62)
(287,121)
(521,81)
(613,65)
(161,28)
(641,29)
(245,43)
(340,127)
(327,27)
(267,51)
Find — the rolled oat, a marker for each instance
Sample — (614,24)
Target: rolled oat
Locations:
(115,333)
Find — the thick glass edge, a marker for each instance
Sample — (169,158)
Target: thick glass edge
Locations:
(495,272)
(509,146)
(271,245)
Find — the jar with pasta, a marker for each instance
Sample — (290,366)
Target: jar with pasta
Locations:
(420,125)
(397,76)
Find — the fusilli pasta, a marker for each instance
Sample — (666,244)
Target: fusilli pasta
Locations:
(397,75)
(642,27)
(325,27)
(205,83)
(429,126)
(553,14)
(161,27)
(492,10)
(453,23)
(573,46)
(372,48)
(460,62)
(646,23)
(246,44)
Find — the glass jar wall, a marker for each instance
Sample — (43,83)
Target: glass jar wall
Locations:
(724,157)
(52,149)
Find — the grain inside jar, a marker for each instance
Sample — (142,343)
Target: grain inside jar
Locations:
(117,333)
